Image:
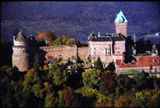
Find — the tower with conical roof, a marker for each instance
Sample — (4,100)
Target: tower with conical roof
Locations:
(20,56)
(121,23)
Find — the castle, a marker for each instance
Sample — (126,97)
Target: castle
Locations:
(109,47)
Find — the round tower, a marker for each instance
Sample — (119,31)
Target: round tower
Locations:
(20,56)
(121,24)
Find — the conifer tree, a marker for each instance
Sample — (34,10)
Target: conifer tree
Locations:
(98,64)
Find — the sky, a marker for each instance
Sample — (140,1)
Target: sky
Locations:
(77,19)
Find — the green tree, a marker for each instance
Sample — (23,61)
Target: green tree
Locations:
(61,102)
(37,90)
(154,99)
(142,99)
(148,98)
(64,40)
(29,79)
(108,82)
(98,64)
(111,67)
(57,42)
(101,99)
(50,101)
(124,84)
(56,74)
(91,77)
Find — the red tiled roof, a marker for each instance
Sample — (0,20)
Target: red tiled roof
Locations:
(142,61)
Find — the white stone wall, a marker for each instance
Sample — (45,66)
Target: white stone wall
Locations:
(99,49)
(20,58)
(119,48)
(102,49)
(121,28)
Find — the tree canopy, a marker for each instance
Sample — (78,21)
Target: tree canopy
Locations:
(73,85)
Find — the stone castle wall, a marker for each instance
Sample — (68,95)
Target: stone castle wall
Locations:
(83,52)
(65,52)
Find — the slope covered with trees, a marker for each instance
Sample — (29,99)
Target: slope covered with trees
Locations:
(74,85)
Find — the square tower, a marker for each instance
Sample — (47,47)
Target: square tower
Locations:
(121,24)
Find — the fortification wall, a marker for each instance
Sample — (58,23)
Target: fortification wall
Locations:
(83,52)
(65,52)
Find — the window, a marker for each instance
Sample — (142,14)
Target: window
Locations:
(108,51)
(94,51)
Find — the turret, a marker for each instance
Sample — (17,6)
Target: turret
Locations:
(20,56)
(19,39)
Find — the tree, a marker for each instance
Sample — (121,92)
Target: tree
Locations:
(68,96)
(79,60)
(57,42)
(142,79)
(56,74)
(98,64)
(29,80)
(91,78)
(124,84)
(148,98)
(108,82)
(129,52)
(46,36)
(141,98)
(111,67)
(66,40)
(61,102)
(48,88)
(122,102)
(50,101)
(101,100)
(154,100)
(37,90)
(63,40)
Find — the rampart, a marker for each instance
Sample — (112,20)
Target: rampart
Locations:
(65,52)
